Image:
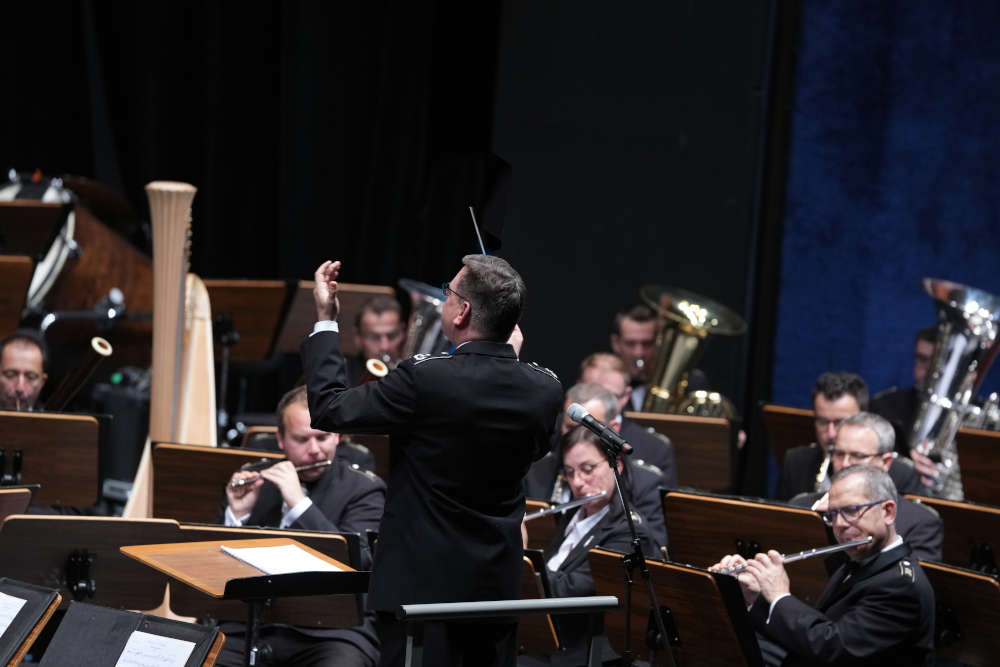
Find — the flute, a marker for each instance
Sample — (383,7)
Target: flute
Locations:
(809,553)
(251,480)
(565,506)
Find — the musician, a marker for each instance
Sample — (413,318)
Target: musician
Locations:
(23,358)
(878,609)
(338,498)
(464,428)
(867,438)
(544,481)
(600,523)
(836,396)
(900,406)
(633,339)
(378,334)
(608,371)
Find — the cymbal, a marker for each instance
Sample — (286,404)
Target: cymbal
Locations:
(695,310)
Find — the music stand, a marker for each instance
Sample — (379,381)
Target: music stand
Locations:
(13,501)
(703,447)
(302,314)
(205,567)
(971,532)
(15,278)
(28,226)
(979,458)
(58,452)
(537,634)
(38,605)
(787,428)
(968,612)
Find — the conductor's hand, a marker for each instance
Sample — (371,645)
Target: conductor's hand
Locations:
(769,571)
(243,498)
(283,476)
(516,340)
(748,583)
(325,291)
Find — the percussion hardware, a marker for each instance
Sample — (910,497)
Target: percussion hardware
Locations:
(809,553)
(565,506)
(249,467)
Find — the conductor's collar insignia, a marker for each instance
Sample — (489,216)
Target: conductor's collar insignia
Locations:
(543,369)
(422,357)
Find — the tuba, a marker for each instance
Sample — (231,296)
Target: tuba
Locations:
(424,335)
(686,320)
(966,344)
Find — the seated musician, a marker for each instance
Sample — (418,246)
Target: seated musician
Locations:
(23,357)
(877,609)
(600,523)
(544,480)
(379,333)
(867,438)
(836,396)
(899,405)
(633,339)
(336,498)
(608,371)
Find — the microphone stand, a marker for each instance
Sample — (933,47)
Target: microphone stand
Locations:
(613,452)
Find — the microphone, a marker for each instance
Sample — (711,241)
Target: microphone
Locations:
(607,434)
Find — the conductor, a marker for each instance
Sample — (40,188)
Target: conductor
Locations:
(464,428)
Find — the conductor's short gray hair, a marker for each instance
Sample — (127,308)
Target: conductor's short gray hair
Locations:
(883,429)
(880,485)
(584,392)
(496,293)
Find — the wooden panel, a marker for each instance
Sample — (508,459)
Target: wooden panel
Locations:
(256,307)
(13,501)
(712,626)
(15,277)
(702,445)
(787,427)
(535,632)
(968,615)
(302,314)
(979,459)
(189,481)
(59,452)
(704,528)
(966,525)
(541,531)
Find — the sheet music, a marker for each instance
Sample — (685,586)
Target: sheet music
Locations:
(148,650)
(285,559)
(9,606)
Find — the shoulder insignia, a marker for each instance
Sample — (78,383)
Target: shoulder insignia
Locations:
(354,467)
(636,518)
(422,357)
(906,569)
(639,463)
(543,369)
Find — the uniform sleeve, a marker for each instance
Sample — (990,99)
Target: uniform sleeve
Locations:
(363,511)
(925,535)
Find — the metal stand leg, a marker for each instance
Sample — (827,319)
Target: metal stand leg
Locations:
(253,628)
(414,644)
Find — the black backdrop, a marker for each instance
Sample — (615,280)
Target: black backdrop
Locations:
(362,131)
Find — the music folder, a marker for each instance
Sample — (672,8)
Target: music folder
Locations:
(24,611)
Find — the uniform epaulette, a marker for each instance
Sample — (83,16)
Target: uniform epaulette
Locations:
(906,569)
(543,369)
(422,357)
(636,518)
(354,467)
(640,463)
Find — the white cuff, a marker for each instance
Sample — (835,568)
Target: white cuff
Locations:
(325,325)
(292,515)
(770,609)
(231,519)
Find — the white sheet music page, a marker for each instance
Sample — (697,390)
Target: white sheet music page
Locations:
(9,606)
(148,650)
(285,559)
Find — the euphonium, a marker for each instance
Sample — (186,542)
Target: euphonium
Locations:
(424,335)
(686,319)
(968,319)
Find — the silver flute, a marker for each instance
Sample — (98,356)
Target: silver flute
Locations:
(565,506)
(250,480)
(809,553)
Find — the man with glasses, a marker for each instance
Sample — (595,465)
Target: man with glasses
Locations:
(378,334)
(877,609)
(836,396)
(22,370)
(464,428)
(866,438)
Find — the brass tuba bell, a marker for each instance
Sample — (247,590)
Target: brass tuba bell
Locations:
(686,320)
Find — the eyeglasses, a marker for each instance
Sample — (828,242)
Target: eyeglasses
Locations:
(446,288)
(842,455)
(585,469)
(851,513)
(823,422)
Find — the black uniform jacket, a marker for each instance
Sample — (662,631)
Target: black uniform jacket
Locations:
(798,473)
(919,525)
(881,615)
(463,430)
(653,450)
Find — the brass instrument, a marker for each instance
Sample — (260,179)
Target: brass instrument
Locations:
(424,335)
(821,474)
(968,320)
(379,368)
(686,320)
(74,380)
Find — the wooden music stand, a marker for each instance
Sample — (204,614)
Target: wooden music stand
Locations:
(59,452)
(256,307)
(541,531)
(979,459)
(535,634)
(38,606)
(15,278)
(13,501)
(968,612)
(28,226)
(787,428)
(205,567)
(703,447)
(302,314)
(703,528)
(189,481)
(707,620)
(971,532)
